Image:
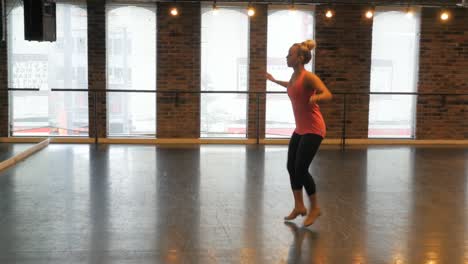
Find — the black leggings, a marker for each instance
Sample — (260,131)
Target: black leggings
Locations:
(301,152)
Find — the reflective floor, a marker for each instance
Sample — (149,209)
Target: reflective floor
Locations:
(225,204)
(8,150)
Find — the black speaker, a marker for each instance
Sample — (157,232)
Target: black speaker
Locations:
(39,20)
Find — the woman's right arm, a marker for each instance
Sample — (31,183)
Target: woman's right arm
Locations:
(272,79)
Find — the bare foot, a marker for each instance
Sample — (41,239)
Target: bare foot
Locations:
(295,212)
(312,216)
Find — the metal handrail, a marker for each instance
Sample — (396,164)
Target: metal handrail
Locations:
(256,93)
(245,92)
(23,89)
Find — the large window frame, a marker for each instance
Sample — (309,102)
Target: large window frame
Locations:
(224,115)
(394,68)
(131,65)
(44,65)
(279,117)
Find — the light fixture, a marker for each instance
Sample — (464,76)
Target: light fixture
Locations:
(215,7)
(409,12)
(174,11)
(444,15)
(250,10)
(370,13)
(329,13)
(292,8)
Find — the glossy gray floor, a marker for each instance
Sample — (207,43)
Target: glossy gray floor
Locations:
(225,204)
(8,150)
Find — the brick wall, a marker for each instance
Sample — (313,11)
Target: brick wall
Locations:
(443,68)
(257,70)
(343,60)
(178,56)
(97,66)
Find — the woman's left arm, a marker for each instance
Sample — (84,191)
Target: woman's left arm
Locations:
(322,94)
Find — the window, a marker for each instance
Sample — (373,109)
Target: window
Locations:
(47,65)
(224,62)
(284,29)
(131,65)
(395,50)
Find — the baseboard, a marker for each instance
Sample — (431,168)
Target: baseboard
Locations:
(156,141)
(74,140)
(175,141)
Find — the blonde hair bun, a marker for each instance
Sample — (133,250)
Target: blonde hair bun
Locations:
(310,44)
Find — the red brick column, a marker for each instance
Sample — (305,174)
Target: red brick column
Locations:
(443,68)
(97,65)
(343,61)
(257,70)
(178,68)
(4,118)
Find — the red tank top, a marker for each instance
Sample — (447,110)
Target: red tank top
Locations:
(308,117)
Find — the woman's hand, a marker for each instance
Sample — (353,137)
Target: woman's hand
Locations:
(314,99)
(322,94)
(270,77)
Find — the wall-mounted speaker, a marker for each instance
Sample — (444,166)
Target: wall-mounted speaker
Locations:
(39,20)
